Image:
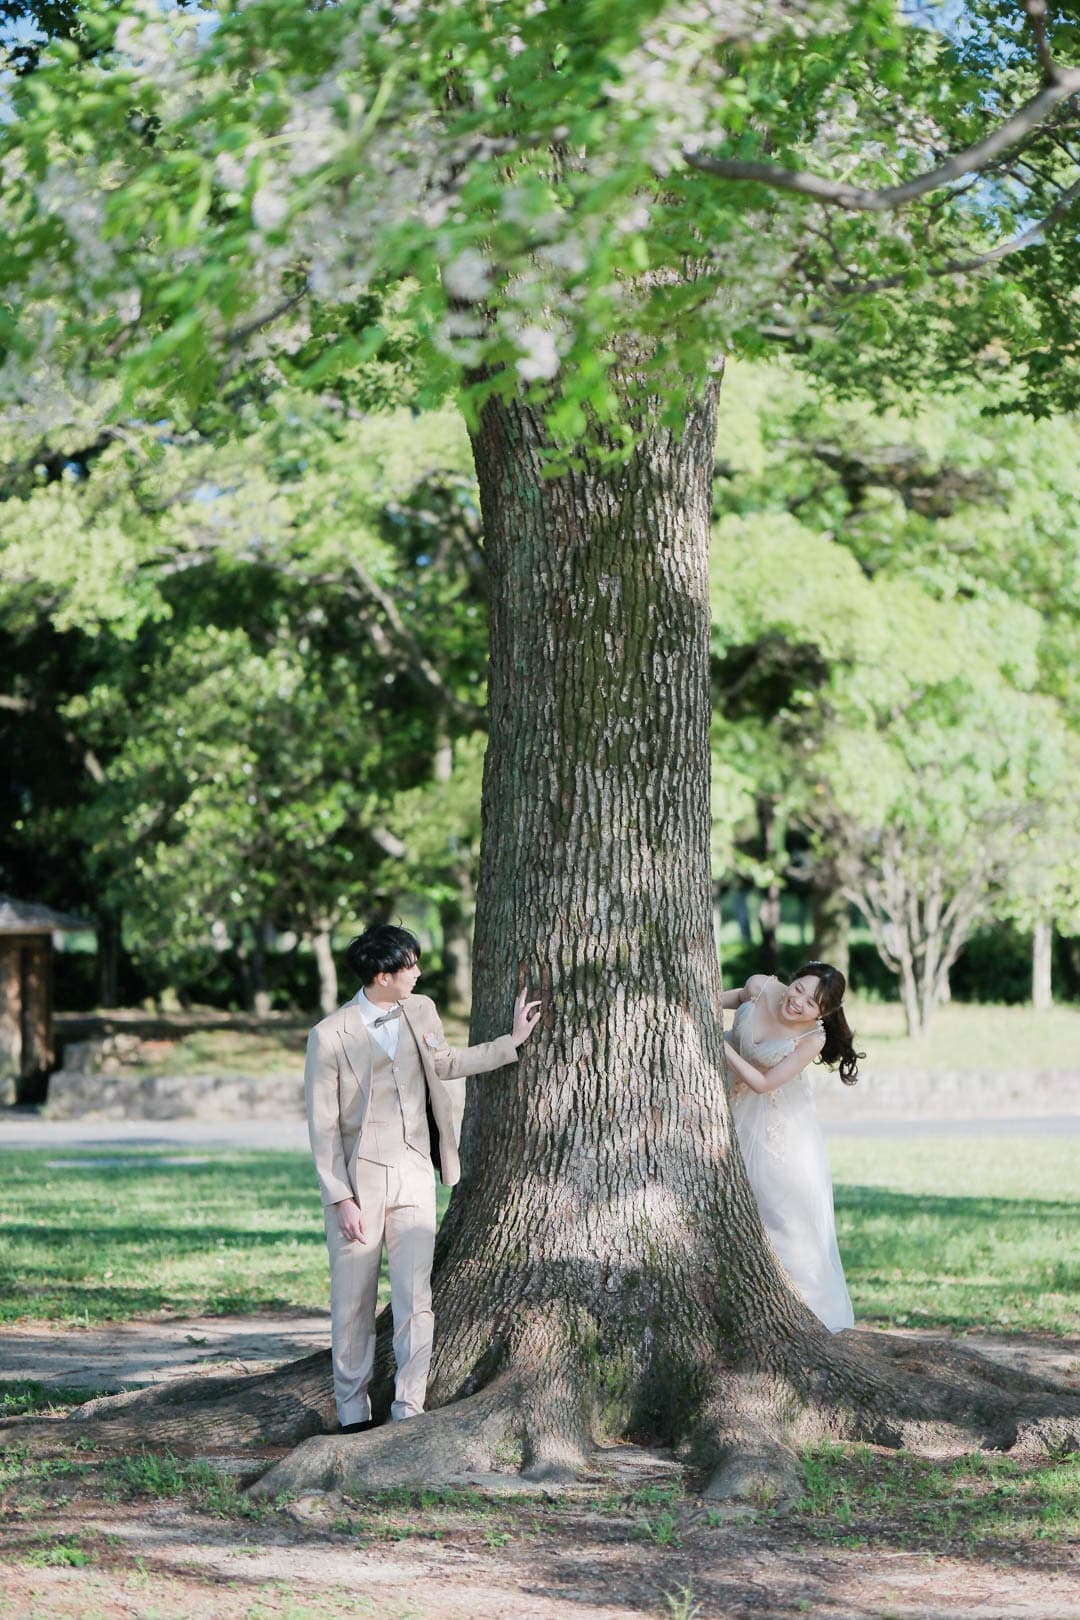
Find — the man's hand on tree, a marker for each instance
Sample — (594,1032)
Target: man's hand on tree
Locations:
(526,1018)
(349,1222)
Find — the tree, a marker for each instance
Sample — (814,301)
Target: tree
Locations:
(251,690)
(588,185)
(938,823)
(912,712)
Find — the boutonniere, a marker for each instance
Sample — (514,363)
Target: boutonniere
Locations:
(431,1042)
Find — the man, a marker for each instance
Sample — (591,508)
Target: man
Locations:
(380,1119)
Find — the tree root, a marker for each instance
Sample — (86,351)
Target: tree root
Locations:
(446,1447)
(539,1415)
(223,1412)
(938,1398)
(744,1444)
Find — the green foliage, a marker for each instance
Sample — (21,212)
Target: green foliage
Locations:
(314,190)
(229,237)
(894,634)
(290,634)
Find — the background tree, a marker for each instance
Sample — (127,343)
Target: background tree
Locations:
(265,655)
(906,669)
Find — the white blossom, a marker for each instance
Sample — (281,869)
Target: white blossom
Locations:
(467,277)
(540,357)
(566,255)
(231,171)
(269,207)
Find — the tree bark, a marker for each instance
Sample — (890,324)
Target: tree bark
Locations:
(109,946)
(604,1238)
(772,849)
(1042,958)
(456,921)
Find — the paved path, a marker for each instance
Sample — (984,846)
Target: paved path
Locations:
(22,1128)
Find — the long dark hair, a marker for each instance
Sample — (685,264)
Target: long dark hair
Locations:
(839,1037)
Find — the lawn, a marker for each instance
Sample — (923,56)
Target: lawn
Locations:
(969,1035)
(959,1232)
(963,1232)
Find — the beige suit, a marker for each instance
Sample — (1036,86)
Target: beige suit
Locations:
(375,1125)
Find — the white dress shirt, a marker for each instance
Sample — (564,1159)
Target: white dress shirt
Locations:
(387,1034)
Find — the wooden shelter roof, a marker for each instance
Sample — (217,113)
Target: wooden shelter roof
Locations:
(27,917)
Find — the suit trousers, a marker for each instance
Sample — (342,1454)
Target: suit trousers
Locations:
(397,1208)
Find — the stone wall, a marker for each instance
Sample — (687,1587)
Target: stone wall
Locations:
(75,1094)
(86,1089)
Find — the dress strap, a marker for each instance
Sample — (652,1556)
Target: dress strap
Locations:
(818,1028)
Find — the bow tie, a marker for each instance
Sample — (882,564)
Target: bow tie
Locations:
(388,1017)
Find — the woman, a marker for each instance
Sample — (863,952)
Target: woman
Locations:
(778,1032)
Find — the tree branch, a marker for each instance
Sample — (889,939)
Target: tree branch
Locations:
(1036,10)
(963,267)
(240,334)
(858,199)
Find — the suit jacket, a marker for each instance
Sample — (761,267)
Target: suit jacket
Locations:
(337,1088)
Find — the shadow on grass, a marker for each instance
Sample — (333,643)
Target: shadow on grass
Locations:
(960,1262)
(983,1506)
(884,1201)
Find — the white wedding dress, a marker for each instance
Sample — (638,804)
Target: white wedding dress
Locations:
(784,1149)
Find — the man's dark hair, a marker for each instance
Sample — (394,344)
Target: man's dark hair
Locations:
(381,949)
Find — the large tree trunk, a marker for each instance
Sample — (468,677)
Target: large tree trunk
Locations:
(600,1190)
(602,1270)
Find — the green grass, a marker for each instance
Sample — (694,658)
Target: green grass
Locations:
(951,1232)
(856,1496)
(225,1051)
(960,1232)
(212,1234)
(966,1035)
(23,1397)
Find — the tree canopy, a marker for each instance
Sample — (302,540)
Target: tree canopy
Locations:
(501,197)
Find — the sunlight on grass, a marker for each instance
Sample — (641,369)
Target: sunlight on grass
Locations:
(960,1232)
(966,1035)
(962,1036)
(956,1232)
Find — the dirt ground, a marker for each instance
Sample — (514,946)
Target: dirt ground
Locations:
(627,1542)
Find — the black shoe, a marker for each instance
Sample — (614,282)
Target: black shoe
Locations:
(355,1428)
